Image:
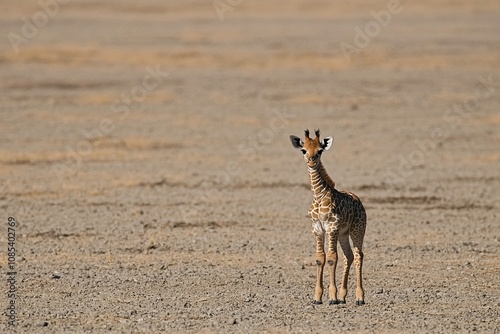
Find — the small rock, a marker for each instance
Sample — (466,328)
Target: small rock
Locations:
(43,324)
(56,276)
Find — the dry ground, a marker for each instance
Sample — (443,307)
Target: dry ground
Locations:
(175,201)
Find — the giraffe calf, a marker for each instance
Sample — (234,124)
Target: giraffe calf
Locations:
(336,216)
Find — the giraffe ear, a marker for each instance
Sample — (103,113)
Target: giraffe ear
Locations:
(296,142)
(327,143)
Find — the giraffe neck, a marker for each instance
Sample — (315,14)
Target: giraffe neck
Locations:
(321,183)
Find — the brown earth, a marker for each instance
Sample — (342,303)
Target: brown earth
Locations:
(175,201)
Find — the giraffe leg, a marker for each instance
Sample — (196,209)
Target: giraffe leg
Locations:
(358,261)
(348,259)
(331,258)
(320,264)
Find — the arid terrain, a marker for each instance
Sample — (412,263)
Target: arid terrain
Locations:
(145,155)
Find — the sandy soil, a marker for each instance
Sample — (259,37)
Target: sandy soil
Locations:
(145,155)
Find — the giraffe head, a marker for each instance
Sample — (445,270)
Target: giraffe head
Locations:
(311,148)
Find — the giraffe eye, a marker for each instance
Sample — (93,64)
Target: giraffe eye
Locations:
(303,151)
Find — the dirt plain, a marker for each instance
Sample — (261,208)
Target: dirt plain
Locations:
(145,156)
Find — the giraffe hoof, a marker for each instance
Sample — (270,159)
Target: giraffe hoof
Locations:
(360,302)
(334,302)
(342,301)
(317,302)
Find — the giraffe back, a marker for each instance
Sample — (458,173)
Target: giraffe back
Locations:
(338,210)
